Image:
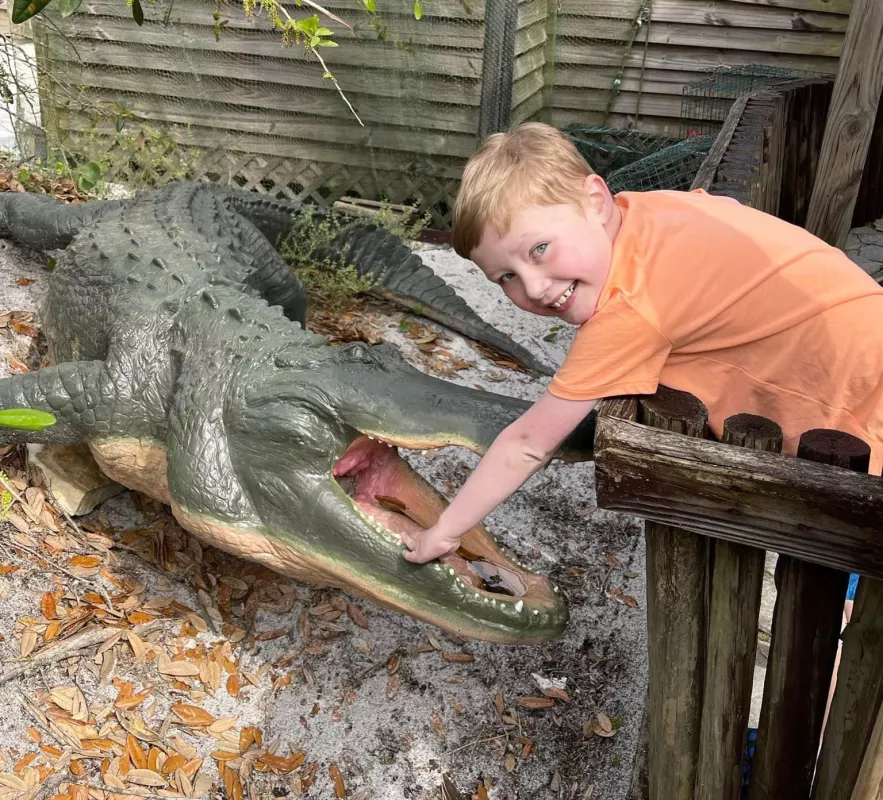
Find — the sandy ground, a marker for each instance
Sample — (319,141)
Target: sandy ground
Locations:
(380,702)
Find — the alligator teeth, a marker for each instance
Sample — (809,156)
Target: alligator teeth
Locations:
(519,605)
(371,519)
(450,570)
(536,612)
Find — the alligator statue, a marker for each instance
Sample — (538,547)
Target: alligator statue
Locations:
(179,353)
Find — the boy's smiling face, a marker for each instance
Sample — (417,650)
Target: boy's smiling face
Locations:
(553,260)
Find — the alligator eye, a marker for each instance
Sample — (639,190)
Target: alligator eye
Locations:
(358,352)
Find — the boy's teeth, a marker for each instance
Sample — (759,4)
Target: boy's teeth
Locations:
(563,299)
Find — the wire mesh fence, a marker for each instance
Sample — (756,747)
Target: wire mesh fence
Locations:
(203,90)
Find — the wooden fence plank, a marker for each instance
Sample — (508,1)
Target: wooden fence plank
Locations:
(811,511)
(673,33)
(676,627)
(857,698)
(806,627)
(870,779)
(381,83)
(850,125)
(627,9)
(251,99)
(736,583)
(697,59)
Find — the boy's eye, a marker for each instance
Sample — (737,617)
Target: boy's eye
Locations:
(505,277)
(539,249)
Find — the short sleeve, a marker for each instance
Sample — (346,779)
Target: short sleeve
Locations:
(616,352)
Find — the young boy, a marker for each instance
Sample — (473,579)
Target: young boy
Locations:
(695,292)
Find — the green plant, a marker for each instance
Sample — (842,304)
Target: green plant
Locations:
(329,280)
(25,419)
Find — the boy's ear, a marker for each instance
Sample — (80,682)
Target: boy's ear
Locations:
(599,198)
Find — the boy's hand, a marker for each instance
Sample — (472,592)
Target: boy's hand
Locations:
(431,543)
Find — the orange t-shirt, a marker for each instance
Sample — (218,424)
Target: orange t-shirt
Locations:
(746,312)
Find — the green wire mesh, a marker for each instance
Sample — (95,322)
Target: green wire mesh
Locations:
(631,161)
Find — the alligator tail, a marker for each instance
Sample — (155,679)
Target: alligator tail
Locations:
(402,277)
(80,394)
(44,223)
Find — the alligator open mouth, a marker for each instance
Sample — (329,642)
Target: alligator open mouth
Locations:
(392,495)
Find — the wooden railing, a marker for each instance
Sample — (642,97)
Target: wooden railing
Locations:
(714,507)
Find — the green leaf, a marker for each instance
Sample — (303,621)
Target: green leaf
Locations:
(369,4)
(418,9)
(324,32)
(91,172)
(314,41)
(24,175)
(26,419)
(327,43)
(120,123)
(50,265)
(137,12)
(23,10)
(67,7)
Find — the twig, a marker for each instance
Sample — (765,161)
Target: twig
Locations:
(118,792)
(475,742)
(92,584)
(67,647)
(47,788)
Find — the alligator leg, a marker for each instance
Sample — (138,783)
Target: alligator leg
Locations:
(81,395)
(46,224)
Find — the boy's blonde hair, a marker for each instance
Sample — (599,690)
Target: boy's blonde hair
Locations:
(534,164)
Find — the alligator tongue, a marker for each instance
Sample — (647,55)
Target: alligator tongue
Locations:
(484,574)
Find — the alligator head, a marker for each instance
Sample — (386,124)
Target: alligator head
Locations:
(319,443)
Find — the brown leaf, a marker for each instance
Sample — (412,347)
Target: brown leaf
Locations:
(356,615)
(498,703)
(629,601)
(558,694)
(192,716)
(85,561)
(453,655)
(17,366)
(24,329)
(136,753)
(392,685)
(337,777)
(249,736)
(47,606)
(179,669)
(145,777)
(233,685)
(510,762)
(28,641)
(535,702)
(438,728)
(24,281)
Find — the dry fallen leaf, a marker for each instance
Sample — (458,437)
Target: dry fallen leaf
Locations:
(180,669)
(337,777)
(145,777)
(192,716)
(535,702)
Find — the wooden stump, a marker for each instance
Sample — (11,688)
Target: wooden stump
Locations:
(806,629)
(870,779)
(676,595)
(736,583)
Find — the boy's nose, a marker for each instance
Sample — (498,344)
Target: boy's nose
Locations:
(537,287)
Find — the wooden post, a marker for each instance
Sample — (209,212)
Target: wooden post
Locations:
(806,629)
(677,564)
(859,691)
(850,124)
(870,779)
(498,59)
(857,697)
(736,583)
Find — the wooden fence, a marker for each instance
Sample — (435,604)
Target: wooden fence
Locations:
(713,508)
(679,41)
(263,117)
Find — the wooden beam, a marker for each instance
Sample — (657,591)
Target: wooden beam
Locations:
(736,583)
(812,511)
(706,173)
(850,125)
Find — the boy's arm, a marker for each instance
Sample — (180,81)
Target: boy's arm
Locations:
(515,455)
